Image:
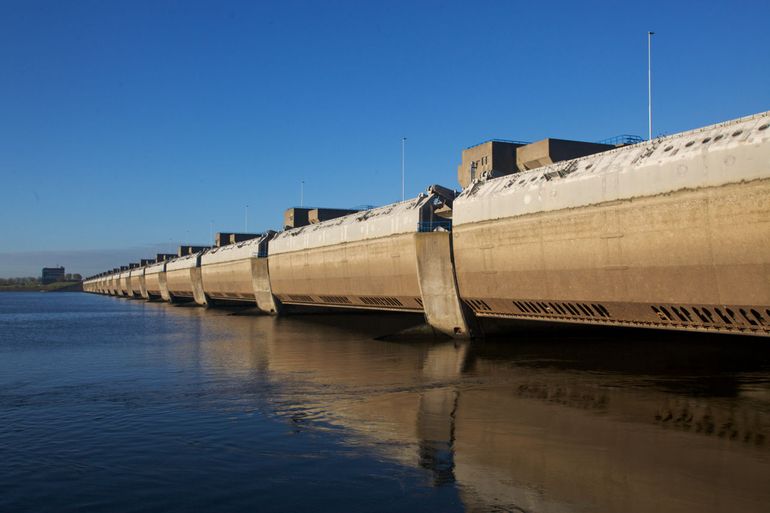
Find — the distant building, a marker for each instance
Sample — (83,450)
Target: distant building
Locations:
(493,158)
(52,275)
(497,158)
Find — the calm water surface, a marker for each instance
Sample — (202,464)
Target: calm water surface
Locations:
(120,406)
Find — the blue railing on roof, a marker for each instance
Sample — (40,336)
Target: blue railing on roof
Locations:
(521,143)
(622,139)
(430,226)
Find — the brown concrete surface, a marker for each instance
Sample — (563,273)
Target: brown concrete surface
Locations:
(228,281)
(694,259)
(179,284)
(152,284)
(378,273)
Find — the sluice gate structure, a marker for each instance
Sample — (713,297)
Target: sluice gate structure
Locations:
(672,234)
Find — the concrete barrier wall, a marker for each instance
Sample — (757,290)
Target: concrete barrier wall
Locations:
(363,260)
(226,271)
(379,274)
(152,280)
(179,278)
(670,234)
(136,277)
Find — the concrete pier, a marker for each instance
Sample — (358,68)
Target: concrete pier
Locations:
(669,234)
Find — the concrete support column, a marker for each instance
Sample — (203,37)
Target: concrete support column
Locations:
(438,285)
(143,287)
(197,285)
(164,293)
(263,291)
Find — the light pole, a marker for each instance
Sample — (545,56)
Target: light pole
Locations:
(649,83)
(403,150)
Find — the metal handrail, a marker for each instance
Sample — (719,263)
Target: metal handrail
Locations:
(622,139)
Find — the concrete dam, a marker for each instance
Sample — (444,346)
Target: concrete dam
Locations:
(672,233)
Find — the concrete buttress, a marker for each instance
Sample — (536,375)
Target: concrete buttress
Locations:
(197,284)
(263,293)
(164,294)
(438,286)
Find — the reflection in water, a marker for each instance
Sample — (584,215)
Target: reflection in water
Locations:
(551,421)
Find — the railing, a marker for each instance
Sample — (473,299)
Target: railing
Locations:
(622,139)
(431,226)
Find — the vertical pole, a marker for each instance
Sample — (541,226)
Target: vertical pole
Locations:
(649,83)
(403,149)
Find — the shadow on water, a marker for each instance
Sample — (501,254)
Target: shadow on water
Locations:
(693,364)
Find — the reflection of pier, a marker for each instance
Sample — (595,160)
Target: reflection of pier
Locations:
(557,425)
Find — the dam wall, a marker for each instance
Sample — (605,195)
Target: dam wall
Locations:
(227,272)
(183,279)
(136,281)
(152,280)
(668,234)
(672,233)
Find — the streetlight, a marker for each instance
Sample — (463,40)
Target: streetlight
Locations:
(649,82)
(403,149)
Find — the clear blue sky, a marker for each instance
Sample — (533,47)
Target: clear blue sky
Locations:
(129,126)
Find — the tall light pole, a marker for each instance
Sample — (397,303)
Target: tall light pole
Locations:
(649,82)
(403,150)
(302,193)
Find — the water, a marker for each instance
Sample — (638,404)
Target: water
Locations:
(121,406)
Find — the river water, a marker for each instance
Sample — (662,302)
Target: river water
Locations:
(120,406)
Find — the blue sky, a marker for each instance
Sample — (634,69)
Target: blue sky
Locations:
(128,127)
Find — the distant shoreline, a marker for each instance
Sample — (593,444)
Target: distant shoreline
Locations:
(53,287)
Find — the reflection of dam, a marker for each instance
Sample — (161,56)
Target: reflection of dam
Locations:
(531,426)
(669,234)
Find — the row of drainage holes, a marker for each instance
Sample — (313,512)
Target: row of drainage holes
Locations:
(303,299)
(568,309)
(335,299)
(478,304)
(752,316)
(381,301)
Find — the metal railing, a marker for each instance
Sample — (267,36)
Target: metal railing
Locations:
(622,139)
